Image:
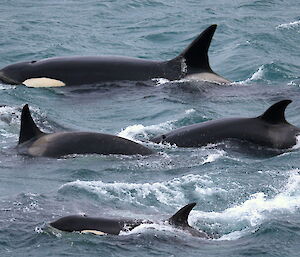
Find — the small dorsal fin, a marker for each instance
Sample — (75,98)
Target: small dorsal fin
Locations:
(275,114)
(180,218)
(195,54)
(28,129)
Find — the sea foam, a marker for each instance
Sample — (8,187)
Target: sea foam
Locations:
(134,131)
(289,25)
(258,207)
(258,75)
(170,192)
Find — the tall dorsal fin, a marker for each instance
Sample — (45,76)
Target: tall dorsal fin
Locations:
(195,54)
(28,129)
(180,218)
(275,114)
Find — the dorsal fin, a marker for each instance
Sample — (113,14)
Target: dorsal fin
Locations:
(28,129)
(275,114)
(180,218)
(195,54)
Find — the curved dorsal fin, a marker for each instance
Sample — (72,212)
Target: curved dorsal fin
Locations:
(275,114)
(180,218)
(28,129)
(196,53)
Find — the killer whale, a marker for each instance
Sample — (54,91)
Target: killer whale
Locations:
(34,142)
(269,129)
(104,226)
(192,63)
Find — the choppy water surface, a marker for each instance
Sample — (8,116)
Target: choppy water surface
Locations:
(251,201)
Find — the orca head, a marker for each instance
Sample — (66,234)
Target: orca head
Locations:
(159,139)
(16,73)
(68,223)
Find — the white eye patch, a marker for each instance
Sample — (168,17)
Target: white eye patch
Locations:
(43,82)
(96,232)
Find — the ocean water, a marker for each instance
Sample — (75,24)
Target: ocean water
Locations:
(250,200)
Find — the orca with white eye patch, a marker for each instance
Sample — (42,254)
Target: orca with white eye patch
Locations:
(191,64)
(104,226)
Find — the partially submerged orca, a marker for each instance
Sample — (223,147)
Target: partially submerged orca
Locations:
(192,63)
(34,142)
(269,129)
(103,226)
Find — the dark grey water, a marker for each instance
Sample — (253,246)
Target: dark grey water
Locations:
(251,201)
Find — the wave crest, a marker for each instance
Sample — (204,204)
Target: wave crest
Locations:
(289,25)
(254,211)
(171,192)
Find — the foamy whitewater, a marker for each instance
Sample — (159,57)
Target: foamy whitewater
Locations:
(289,25)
